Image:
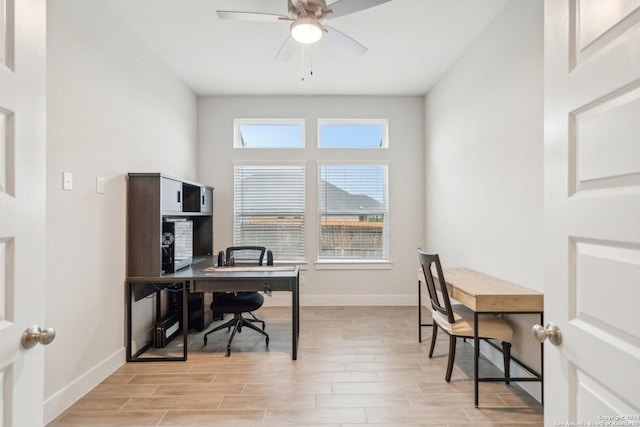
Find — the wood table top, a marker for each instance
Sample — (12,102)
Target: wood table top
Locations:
(483,293)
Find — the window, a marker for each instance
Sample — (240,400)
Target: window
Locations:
(270,133)
(352,212)
(352,133)
(269,209)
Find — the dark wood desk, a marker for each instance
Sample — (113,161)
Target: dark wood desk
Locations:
(204,276)
(488,295)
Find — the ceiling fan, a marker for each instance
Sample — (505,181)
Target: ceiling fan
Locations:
(306,18)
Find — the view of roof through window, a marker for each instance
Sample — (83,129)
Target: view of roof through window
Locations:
(367,180)
(352,212)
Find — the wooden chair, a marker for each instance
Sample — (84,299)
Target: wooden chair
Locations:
(457,320)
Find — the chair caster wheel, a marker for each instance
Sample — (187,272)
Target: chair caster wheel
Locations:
(205,340)
(267,339)
(263,326)
(228,351)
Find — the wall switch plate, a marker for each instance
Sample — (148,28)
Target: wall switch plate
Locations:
(100,185)
(67,181)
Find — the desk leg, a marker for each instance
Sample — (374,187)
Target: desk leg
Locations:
(185,318)
(158,305)
(420,324)
(419,312)
(185,328)
(129,308)
(476,356)
(295,318)
(542,364)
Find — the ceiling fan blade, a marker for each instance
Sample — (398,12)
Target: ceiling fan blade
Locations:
(250,16)
(344,41)
(286,50)
(345,7)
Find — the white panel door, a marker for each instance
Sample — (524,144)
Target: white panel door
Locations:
(592,210)
(22,207)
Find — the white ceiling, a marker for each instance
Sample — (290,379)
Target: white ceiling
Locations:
(411,44)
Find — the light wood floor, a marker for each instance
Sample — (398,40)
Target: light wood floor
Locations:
(356,366)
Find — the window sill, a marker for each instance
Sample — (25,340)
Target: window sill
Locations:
(353,265)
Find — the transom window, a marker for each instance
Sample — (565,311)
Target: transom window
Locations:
(270,133)
(352,133)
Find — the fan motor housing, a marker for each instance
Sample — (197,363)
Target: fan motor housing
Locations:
(308,7)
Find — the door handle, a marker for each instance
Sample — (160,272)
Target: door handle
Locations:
(35,335)
(551,331)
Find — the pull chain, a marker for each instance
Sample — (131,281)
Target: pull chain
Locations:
(303,63)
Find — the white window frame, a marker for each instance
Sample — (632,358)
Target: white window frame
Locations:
(338,264)
(302,164)
(346,122)
(237,137)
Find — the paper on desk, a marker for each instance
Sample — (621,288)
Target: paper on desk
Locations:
(254,268)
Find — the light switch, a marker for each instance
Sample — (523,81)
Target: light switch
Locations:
(67,181)
(100,185)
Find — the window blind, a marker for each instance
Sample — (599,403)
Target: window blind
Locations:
(353,212)
(269,203)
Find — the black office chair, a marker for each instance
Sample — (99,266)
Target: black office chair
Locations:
(238,303)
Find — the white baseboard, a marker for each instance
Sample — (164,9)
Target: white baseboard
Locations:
(64,398)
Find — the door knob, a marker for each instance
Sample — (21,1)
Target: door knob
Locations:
(35,335)
(551,331)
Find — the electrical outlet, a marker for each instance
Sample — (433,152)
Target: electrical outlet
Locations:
(67,181)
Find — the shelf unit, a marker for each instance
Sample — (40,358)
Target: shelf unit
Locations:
(154,197)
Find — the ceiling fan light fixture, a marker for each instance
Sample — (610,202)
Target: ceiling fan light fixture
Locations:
(306,30)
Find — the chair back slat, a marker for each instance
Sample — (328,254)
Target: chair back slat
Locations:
(438,292)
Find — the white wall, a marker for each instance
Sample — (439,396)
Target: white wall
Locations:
(112,108)
(396,285)
(484,158)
